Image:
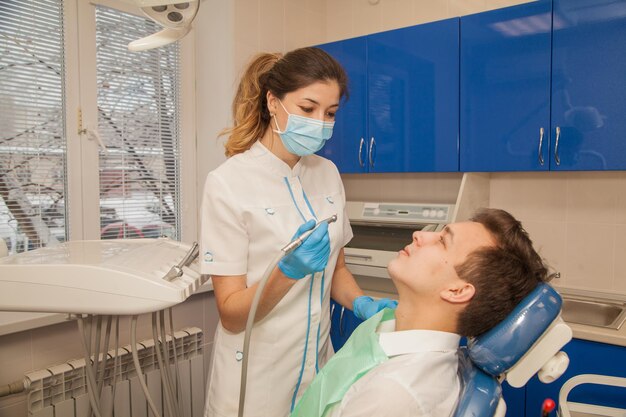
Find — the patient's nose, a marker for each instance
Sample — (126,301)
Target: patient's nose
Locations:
(424,238)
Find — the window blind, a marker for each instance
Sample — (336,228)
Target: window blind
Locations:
(32,130)
(138,121)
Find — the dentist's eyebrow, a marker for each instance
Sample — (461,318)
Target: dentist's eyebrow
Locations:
(316,103)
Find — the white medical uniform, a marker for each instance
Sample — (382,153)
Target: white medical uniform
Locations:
(252,206)
(419,380)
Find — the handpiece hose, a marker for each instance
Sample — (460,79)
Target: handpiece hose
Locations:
(290,247)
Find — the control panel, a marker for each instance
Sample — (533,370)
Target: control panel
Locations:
(400,212)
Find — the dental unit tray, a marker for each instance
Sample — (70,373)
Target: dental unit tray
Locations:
(125,276)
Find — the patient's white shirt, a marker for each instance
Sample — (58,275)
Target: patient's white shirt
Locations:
(420,378)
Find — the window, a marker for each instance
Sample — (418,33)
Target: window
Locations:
(32,130)
(65,63)
(138,114)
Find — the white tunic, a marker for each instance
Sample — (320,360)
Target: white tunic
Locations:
(419,380)
(252,205)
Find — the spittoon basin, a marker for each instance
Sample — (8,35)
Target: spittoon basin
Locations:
(593,312)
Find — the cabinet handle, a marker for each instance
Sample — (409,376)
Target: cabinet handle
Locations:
(372,143)
(541,161)
(556,146)
(361,163)
(363,257)
(341,321)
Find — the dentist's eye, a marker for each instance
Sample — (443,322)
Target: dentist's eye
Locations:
(307,109)
(331,115)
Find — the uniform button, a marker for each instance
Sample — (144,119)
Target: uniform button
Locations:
(310,363)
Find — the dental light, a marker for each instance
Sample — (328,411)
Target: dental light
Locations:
(174,15)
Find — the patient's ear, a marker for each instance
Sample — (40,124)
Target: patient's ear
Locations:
(460,292)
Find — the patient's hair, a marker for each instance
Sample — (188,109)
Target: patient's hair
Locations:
(502,274)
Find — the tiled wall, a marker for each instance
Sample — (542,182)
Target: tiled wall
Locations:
(35,349)
(349,18)
(576,219)
(283,25)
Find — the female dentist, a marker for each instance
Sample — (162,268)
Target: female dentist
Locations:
(271,189)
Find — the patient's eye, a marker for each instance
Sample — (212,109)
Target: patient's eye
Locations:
(442,241)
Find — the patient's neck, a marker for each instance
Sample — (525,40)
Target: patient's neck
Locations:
(425,316)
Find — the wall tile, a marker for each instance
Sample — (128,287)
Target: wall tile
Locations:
(247,22)
(424,187)
(465,7)
(296,34)
(428,11)
(339,26)
(315,28)
(397,13)
(589,256)
(272,26)
(243,54)
(530,196)
(592,197)
(549,240)
(14,410)
(366,18)
(318,6)
(620,192)
(619,259)
(57,344)
(15,356)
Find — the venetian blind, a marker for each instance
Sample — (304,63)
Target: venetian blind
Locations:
(32,131)
(138,122)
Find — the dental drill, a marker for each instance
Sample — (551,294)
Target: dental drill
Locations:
(287,249)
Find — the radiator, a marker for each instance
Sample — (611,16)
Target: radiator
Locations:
(61,390)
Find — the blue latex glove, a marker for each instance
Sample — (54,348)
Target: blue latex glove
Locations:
(365,307)
(311,256)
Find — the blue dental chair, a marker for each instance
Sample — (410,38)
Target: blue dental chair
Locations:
(526,342)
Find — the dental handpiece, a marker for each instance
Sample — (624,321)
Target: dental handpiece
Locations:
(291,246)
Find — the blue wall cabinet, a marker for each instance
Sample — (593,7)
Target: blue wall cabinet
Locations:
(348,148)
(505,89)
(585,358)
(405,118)
(543,87)
(589,85)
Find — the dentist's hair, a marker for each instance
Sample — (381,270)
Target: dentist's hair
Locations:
(280,75)
(502,275)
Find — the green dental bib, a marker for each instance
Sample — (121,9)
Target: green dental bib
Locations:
(358,356)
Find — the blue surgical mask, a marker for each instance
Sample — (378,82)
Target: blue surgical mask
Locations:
(304,135)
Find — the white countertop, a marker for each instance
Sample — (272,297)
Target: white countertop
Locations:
(13,322)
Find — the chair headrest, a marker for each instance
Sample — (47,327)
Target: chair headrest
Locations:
(497,350)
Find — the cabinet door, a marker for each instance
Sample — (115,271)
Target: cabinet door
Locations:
(585,358)
(413,98)
(347,148)
(342,323)
(505,89)
(589,84)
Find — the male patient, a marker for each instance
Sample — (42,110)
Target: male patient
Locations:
(461,281)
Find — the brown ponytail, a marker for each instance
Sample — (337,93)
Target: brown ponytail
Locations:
(280,75)
(250,112)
